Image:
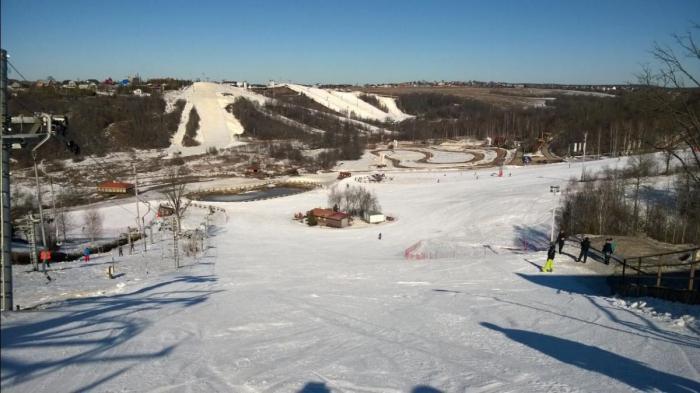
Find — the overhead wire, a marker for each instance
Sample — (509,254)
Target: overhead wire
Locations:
(102,167)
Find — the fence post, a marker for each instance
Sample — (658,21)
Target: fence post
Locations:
(658,276)
(639,270)
(624,267)
(692,276)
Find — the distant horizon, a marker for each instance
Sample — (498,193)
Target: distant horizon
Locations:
(15,77)
(315,42)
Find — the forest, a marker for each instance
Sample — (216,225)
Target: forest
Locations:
(100,124)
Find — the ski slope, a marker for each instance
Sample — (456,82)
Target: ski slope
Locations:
(349,102)
(278,306)
(217,127)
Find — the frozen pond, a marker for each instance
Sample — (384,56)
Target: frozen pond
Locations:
(448,157)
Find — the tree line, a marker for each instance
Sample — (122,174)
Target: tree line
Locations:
(341,140)
(629,201)
(100,124)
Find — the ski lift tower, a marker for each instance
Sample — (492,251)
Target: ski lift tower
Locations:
(19,132)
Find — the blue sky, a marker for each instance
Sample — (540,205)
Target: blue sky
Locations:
(562,41)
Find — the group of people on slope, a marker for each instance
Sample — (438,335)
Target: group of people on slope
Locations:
(608,249)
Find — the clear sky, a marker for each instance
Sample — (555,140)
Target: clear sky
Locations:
(309,41)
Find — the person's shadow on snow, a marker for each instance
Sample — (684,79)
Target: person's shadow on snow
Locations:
(628,371)
(425,389)
(314,387)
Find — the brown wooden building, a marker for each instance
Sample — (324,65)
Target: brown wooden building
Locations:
(330,218)
(115,187)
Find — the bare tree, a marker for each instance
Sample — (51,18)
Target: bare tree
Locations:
(63,221)
(175,193)
(353,200)
(671,97)
(639,167)
(93,223)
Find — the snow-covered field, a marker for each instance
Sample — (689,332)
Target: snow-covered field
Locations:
(277,306)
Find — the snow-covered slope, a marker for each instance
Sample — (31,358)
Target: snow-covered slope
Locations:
(349,102)
(217,127)
(278,306)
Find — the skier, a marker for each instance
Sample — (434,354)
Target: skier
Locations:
(380,236)
(608,249)
(585,245)
(549,265)
(121,252)
(561,239)
(86,254)
(45,256)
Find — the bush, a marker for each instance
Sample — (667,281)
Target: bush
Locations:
(311,220)
(191,129)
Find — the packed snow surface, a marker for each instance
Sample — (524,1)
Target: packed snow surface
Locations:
(349,102)
(217,127)
(277,306)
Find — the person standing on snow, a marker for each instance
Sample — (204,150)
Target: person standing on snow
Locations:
(380,236)
(551,253)
(86,254)
(608,249)
(561,239)
(45,256)
(585,245)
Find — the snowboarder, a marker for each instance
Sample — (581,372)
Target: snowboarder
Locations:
(86,254)
(380,236)
(121,251)
(585,245)
(561,239)
(608,249)
(551,253)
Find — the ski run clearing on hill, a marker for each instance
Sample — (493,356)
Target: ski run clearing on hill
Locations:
(218,127)
(277,306)
(349,102)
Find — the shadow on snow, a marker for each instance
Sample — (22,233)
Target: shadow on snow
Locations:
(628,371)
(320,387)
(87,330)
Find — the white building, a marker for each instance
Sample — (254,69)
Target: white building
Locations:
(374,217)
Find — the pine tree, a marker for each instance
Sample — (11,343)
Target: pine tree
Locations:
(311,220)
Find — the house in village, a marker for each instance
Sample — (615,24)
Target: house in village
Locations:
(330,218)
(115,187)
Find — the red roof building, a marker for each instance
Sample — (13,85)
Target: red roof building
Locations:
(330,218)
(115,187)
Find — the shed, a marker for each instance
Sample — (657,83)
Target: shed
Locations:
(330,218)
(115,187)
(374,217)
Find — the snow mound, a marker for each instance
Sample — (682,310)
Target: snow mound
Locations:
(677,314)
(447,248)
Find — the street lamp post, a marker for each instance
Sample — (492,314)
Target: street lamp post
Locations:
(554,190)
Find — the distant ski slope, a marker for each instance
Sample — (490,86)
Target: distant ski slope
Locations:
(349,102)
(217,127)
